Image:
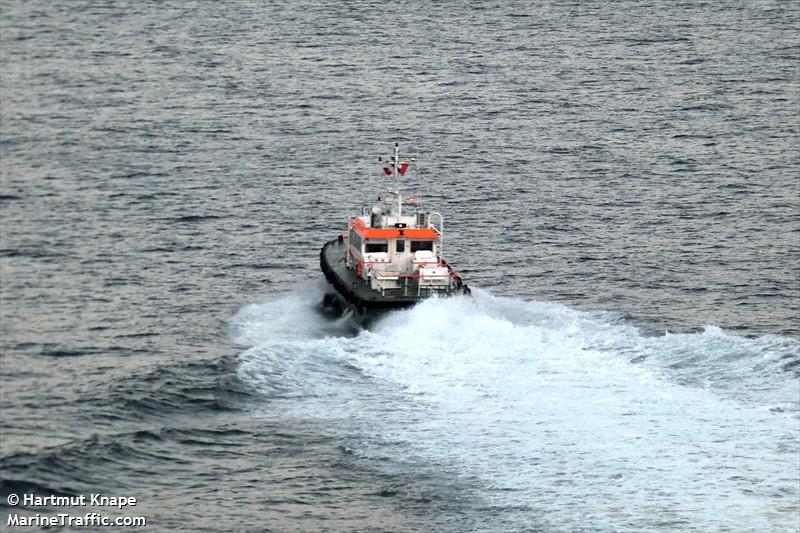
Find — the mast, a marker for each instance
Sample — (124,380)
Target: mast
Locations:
(396,185)
(395,167)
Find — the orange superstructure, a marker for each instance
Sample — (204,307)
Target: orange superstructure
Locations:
(392,233)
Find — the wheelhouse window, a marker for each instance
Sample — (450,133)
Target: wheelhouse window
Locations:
(375,247)
(421,245)
(400,246)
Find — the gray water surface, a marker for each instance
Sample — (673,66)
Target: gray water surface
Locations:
(619,183)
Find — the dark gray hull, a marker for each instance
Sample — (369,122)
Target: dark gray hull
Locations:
(354,293)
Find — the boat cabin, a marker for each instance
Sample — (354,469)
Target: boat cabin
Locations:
(393,251)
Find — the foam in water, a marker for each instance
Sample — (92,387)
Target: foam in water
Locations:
(573,418)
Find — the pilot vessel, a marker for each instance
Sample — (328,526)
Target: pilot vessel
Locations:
(389,256)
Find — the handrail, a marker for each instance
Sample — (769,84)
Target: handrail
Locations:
(441,230)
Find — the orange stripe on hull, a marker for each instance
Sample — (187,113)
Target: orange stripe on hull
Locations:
(393,233)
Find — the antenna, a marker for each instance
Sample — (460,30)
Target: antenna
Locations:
(396,186)
(396,167)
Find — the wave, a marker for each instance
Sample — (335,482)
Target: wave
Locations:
(548,408)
